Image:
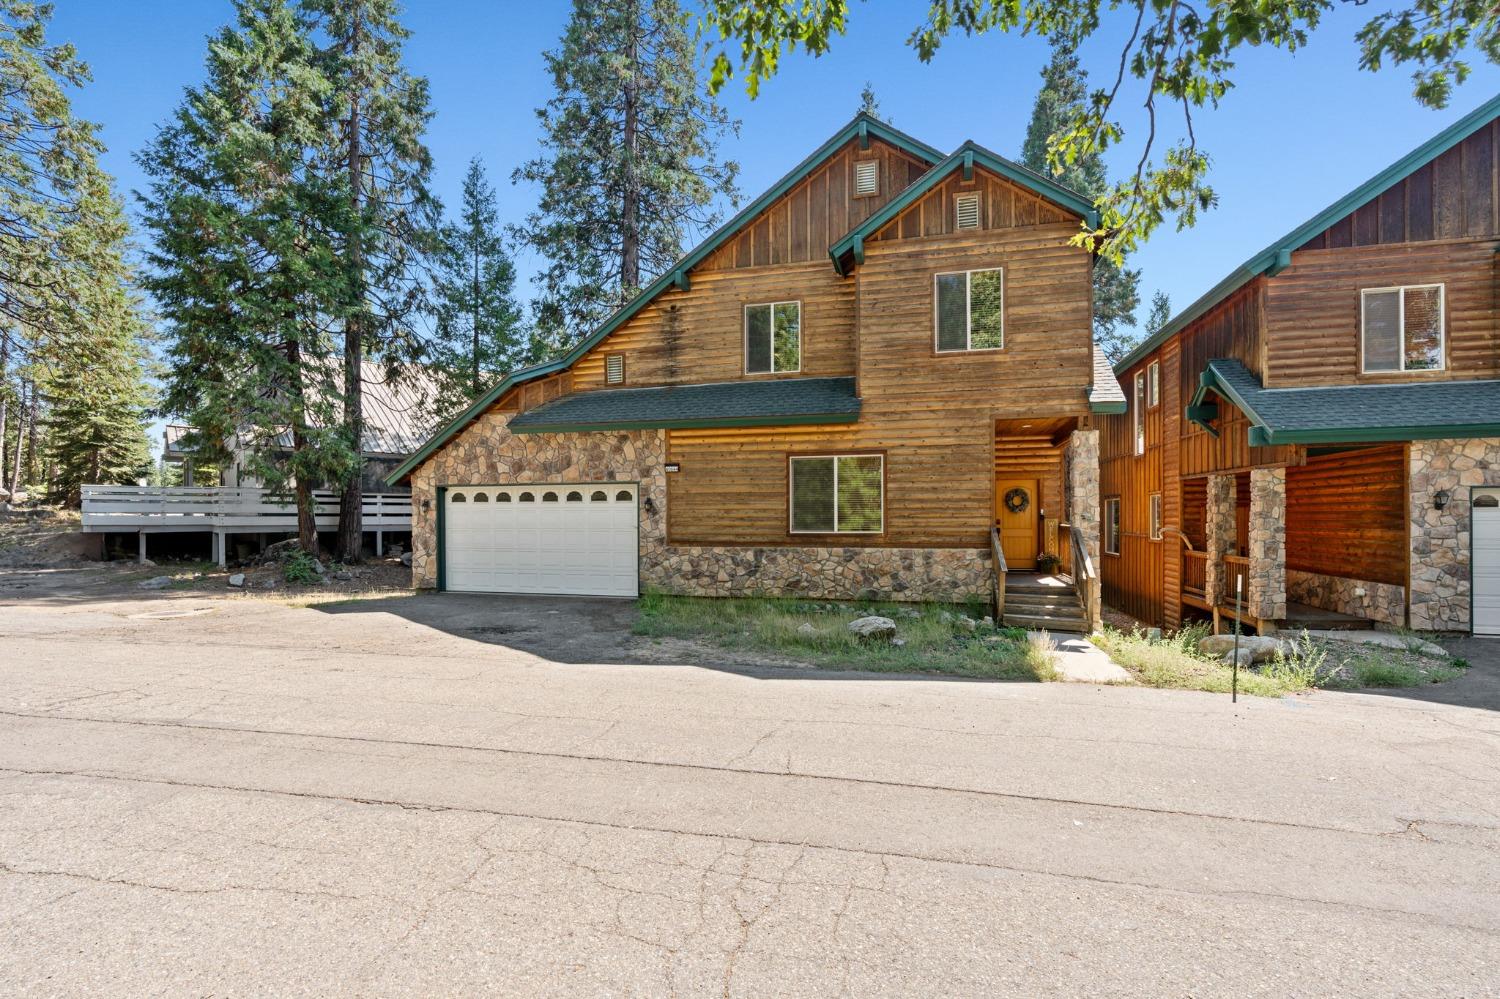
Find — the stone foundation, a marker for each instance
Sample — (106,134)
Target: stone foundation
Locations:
(1440,544)
(1381,602)
(488,453)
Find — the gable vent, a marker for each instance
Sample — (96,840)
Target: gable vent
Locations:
(966,211)
(866,177)
(614,369)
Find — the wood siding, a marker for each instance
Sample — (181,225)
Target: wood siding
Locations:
(1346,515)
(1002,205)
(1132,581)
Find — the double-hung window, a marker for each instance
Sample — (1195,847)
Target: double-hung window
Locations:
(970,308)
(1156,516)
(1112,526)
(1138,413)
(1401,329)
(837,494)
(773,338)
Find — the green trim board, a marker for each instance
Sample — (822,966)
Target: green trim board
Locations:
(965,158)
(1278,255)
(1339,414)
(752,403)
(442,539)
(861,125)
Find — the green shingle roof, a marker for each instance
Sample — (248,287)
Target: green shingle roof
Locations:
(1352,413)
(769,403)
(1106,396)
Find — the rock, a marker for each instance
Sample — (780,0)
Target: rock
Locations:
(987,621)
(1246,657)
(319,567)
(1407,643)
(237,579)
(146,562)
(805,628)
(155,583)
(1153,634)
(874,628)
(1261,649)
(269,584)
(281,550)
(966,623)
(910,612)
(406,559)
(343,576)
(898,642)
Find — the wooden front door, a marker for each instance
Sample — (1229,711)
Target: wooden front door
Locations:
(1016,516)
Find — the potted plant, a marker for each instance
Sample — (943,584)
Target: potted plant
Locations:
(1048,563)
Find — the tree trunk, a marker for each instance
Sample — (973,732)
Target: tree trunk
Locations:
(351,503)
(15,468)
(630,239)
(4,397)
(474,308)
(307,515)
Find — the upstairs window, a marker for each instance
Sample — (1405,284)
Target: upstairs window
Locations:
(1156,516)
(838,494)
(1138,413)
(1112,526)
(614,369)
(1401,329)
(866,178)
(966,211)
(773,338)
(1153,385)
(970,310)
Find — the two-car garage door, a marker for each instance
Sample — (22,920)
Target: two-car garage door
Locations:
(569,539)
(1486,526)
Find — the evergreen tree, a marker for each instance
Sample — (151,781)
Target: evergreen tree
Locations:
(868,104)
(1161,311)
(629,164)
(1116,288)
(247,257)
(478,320)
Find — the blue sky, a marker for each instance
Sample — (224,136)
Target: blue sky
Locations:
(1296,133)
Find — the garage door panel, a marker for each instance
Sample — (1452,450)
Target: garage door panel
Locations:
(566,539)
(1486,561)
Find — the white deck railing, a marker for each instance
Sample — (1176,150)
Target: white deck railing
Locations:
(194,508)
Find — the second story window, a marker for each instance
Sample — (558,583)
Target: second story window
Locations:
(970,311)
(1153,385)
(773,338)
(1138,413)
(1401,329)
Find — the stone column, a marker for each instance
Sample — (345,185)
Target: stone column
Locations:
(1218,529)
(1083,505)
(1267,582)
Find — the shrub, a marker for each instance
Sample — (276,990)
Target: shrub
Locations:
(300,568)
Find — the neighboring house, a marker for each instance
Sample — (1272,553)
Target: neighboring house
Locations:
(880,366)
(1325,422)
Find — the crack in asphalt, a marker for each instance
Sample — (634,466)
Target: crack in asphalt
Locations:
(709,768)
(176,889)
(802,845)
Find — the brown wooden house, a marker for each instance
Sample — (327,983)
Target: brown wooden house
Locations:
(1324,424)
(876,380)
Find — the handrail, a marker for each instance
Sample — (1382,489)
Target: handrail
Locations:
(1085,579)
(1000,570)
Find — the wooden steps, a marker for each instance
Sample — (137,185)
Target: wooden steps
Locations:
(1042,603)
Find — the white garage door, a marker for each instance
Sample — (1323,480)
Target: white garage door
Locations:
(1486,564)
(575,539)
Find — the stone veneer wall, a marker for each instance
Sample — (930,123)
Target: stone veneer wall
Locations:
(1082,469)
(1219,535)
(1381,602)
(1440,543)
(1267,548)
(487,452)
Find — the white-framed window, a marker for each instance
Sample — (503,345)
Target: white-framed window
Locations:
(773,337)
(1402,328)
(966,211)
(614,369)
(1138,413)
(866,178)
(1156,516)
(836,493)
(1112,526)
(969,310)
(1153,385)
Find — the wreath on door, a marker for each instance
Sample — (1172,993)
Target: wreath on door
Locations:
(1017,500)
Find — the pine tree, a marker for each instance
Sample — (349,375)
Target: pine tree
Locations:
(377,115)
(246,259)
(629,164)
(478,321)
(1116,288)
(1161,311)
(868,104)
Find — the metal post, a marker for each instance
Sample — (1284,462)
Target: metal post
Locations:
(1234,683)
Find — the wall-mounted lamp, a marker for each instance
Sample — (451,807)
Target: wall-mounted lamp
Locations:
(426,505)
(650,506)
(1440,499)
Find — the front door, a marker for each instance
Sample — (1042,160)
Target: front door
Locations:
(1016,516)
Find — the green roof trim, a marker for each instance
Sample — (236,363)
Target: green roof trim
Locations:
(862,125)
(1278,256)
(761,403)
(965,157)
(1343,414)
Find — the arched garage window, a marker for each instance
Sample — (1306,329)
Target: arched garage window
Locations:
(599,496)
(481,497)
(459,498)
(575,497)
(1487,500)
(623,495)
(549,497)
(527,498)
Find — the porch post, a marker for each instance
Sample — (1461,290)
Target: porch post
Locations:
(1083,508)
(379,543)
(140,547)
(1267,582)
(1218,528)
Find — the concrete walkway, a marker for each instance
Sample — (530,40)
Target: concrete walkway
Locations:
(1081,661)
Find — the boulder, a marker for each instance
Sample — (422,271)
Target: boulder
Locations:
(1260,648)
(237,579)
(898,642)
(406,559)
(806,628)
(155,583)
(1406,643)
(319,567)
(343,576)
(909,612)
(966,623)
(874,628)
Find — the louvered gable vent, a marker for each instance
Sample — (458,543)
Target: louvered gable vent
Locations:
(614,369)
(966,210)
(866,177)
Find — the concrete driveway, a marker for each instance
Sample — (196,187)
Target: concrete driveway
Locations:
(464,795)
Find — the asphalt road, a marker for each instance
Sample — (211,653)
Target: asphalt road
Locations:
(463,795)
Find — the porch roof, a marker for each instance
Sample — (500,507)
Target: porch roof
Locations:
(768,403)
(1106,395)
(1350,413)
